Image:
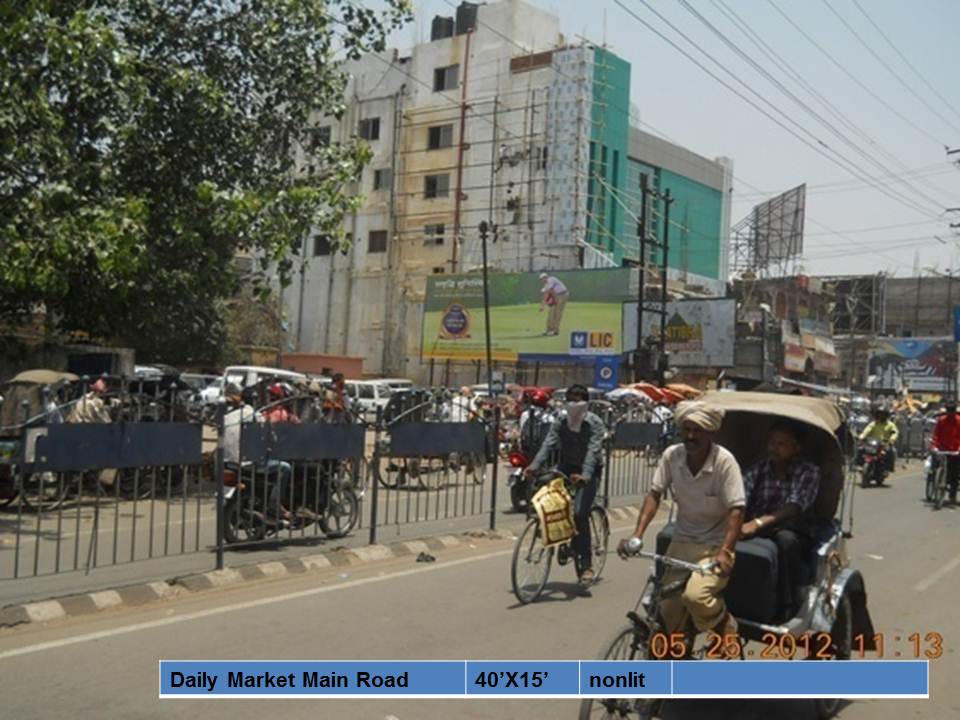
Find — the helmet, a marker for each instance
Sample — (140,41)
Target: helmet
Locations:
(539,398)
(879,410)
(278,391)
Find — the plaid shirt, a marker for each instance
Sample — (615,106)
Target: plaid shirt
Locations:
(766,494)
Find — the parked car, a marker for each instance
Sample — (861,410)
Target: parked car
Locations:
(368,395)
(396,384)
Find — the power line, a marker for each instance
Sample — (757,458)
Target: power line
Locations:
(887,66)
(788,69)
(817,145)
(800,103)
(904,58)
(840,66)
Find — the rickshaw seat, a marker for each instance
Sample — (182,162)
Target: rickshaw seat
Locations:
(751,593)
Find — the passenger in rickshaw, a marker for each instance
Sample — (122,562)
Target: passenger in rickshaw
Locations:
(781,491)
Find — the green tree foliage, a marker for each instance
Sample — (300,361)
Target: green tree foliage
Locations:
(145,143)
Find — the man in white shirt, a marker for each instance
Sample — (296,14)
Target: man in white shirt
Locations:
(710,498)
(554,296)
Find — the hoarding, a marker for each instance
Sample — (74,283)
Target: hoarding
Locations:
(778,224)
(917,364)
(579,320)
(700,333)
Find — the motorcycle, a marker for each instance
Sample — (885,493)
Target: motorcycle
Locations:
(519,485)
(522,451)
(875,463)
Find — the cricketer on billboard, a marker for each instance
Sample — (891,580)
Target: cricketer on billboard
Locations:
(539,316)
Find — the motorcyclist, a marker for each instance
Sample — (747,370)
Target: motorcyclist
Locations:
(578,437)
(884,431)
(534,421)
(946,438)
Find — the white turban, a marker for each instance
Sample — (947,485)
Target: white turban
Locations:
(701,414)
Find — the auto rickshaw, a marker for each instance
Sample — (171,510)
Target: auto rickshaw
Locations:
(23,406)
(833,600)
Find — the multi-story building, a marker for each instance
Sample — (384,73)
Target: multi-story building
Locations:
(497,118)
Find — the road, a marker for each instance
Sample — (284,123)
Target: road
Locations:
(458,607)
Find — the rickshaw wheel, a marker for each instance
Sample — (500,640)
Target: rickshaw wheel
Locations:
(842,634)
(628,643)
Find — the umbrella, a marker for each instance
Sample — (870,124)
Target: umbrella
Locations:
(651,391)
(627,392)
(671,396)
(689,392)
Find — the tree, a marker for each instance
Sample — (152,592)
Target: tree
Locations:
(145,143)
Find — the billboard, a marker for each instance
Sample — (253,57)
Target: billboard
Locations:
(917,364)
(778,228)
(581,319)
(700,333)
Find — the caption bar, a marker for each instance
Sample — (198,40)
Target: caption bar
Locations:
(556,679)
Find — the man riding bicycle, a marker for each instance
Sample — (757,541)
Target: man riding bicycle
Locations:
(946,438)
(578,434)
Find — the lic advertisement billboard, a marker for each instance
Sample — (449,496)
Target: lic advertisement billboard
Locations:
(700,333)
(565,316)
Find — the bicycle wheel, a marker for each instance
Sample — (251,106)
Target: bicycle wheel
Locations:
(599,539)
(940,486)
(530,567)
(44,491)
(341,513)
(931,486)
(628,643)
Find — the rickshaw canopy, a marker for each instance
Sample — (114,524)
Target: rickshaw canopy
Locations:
(749,416)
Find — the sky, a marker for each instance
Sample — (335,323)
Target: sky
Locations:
(892,128)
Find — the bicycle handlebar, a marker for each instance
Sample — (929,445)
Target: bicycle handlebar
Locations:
(946,453)
(699,568)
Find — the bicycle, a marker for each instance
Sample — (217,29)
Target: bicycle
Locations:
(937,481)
(634,641)
(530,566)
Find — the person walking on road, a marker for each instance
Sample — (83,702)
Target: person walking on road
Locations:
(554,297)
(710,499)
(946,438)
(578,436)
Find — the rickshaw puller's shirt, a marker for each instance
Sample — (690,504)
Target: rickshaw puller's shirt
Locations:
(704,500)
(766,494)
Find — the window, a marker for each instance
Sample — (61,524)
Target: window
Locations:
(433,234)
(378,241)
(369,129)
(436,186)
(382,179)
(322,135)
(322,245)
(439,270)
(439,136)
(446,78)
(366,392)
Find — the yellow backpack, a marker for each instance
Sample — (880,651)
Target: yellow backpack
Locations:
(554,508)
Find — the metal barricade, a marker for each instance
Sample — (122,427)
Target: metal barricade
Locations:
(89,495)
(633,452)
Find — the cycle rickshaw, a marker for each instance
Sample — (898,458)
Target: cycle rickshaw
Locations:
(833,613)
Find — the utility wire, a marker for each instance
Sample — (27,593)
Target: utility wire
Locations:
(904,58)
(893,72)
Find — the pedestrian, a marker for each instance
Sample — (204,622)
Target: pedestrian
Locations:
(554,297)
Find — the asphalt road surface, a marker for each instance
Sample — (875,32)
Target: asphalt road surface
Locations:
(459,607)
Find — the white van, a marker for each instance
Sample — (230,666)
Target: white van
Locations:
(396,384)
(247,375)
(367,395)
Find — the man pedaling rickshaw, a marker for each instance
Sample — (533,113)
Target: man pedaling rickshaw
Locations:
(708,488)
